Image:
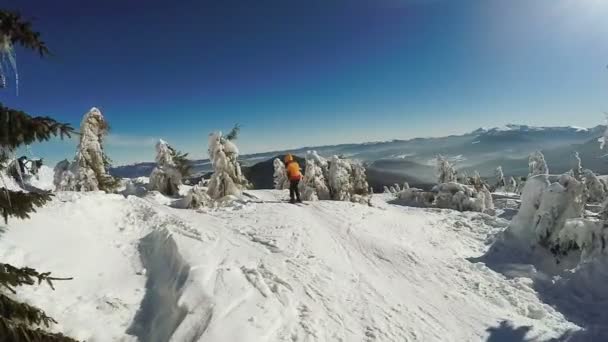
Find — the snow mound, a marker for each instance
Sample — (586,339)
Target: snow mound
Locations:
(269,271)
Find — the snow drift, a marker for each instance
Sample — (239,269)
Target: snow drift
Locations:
(267,271)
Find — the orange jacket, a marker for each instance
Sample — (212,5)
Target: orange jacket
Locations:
(293,169)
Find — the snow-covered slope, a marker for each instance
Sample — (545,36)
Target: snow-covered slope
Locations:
(269,271)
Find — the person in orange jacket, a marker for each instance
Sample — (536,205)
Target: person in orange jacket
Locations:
(294,174)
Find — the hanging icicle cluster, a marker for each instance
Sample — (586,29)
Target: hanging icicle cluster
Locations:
(15,30)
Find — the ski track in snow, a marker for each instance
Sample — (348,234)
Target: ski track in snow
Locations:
(327,271)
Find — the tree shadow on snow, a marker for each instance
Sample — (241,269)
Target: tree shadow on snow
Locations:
(581,296)
(506,332)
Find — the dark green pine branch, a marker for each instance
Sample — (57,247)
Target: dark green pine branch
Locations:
(20,204)
(20,32)
(18,128)
(11,277)
(181,161)
(21,312)
(18,332)
(234,132)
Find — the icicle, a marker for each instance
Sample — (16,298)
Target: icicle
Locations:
(7,53)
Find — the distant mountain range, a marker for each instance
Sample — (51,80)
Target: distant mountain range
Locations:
(412,160)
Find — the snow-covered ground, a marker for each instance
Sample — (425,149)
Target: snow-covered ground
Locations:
(266,270)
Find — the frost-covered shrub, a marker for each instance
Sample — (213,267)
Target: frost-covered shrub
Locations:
(227,178)
(280,175)
(445,171)
(537,164)
(89,171)
(166,176)
(596,189)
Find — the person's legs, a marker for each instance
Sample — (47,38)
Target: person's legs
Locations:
(297,190)
(293,187)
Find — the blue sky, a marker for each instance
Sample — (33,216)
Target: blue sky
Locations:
(314,72)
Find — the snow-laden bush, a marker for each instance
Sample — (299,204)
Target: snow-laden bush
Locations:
(414,197)
(196,198)
(589,235)
(89,171)
(545,210)
(560,201)
(537,164)
(136,187)
(462,197)
(596,189)
(339,179)
(166,176)
(280,175)
(445,171)
(227,178)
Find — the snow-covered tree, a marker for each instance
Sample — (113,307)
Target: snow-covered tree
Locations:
(340,179)
(500,178)
(280,175)
(89,171)
(464,178)
(596,190)
(166,176)
(445,170)
(227,178)
(511,184)
(537,164)
(316,184)
(577,167)
(562,200)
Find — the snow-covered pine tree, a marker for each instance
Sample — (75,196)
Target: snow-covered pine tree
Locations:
(280,175)
(339,179)
(561,201)
(20,321)
(500,178)
(596,191)
(511,184)
(464,178)
(89,171)
(445,170)
(315,184)
(166,176)
(227,178)
(537,164)
(577,168)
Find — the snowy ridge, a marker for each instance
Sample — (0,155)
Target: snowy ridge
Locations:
(269,271)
